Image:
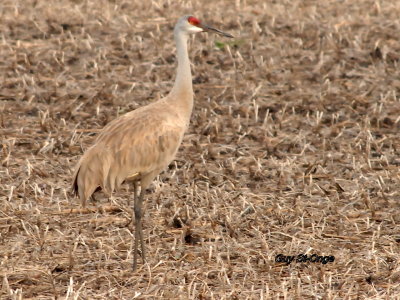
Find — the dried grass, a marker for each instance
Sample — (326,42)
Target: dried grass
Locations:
(293,148)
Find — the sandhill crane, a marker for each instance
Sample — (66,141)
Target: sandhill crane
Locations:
(140,144)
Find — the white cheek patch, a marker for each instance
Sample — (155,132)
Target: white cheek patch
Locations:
(195,29)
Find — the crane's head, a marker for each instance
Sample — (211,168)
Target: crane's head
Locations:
(190,25)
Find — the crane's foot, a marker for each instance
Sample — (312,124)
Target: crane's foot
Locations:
(134,266)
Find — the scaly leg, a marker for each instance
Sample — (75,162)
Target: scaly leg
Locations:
(138,225)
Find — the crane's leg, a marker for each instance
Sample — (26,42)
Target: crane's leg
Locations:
(141,231)
(138,224)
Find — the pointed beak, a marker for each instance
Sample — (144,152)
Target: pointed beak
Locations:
(211,29)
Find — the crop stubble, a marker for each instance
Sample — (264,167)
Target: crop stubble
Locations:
(293,148)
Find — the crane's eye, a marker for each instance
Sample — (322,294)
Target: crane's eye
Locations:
(194,21)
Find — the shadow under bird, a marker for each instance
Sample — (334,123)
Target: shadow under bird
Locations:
(140,144)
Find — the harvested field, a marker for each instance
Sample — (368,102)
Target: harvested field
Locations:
(293,148)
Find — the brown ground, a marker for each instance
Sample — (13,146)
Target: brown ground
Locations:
(293,148)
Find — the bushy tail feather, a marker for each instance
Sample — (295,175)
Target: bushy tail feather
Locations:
(74,187)
(90,173)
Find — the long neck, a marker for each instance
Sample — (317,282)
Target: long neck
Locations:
(182,91)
